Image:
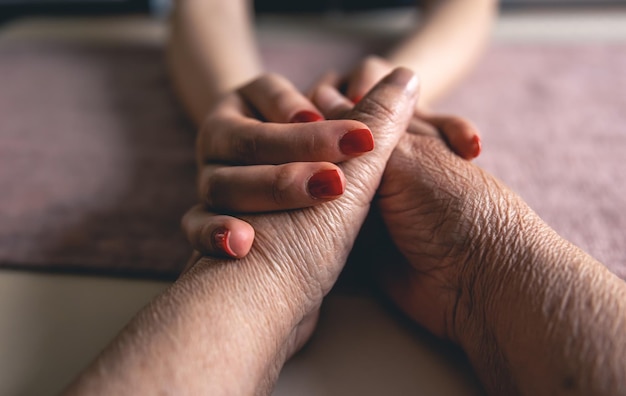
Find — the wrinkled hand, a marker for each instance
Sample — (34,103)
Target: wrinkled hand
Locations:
(436,210)
(462,137)
(198,223)
(268,125)
(303,251)
(442,215)
(439,212)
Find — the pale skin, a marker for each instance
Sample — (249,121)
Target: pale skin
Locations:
(212,50)
(212,53)
(534,314)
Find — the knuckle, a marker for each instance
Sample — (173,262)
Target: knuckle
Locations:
(209,196)
(378,110)
(310,145)
(273,79)
(206,142)
(280,185)
(278,89)
(185,221)
(245,148)
(278,95)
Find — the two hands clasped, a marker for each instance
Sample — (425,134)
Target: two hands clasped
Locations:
(303,176)
(267,148)
(453,248)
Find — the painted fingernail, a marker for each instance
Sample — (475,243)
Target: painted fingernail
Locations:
(357,99)
(476,146)
(325,184)
(221,238)
(306,116)
(356,142)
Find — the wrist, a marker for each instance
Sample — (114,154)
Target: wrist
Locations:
(268,302)
(211,328)
(505,244)
(251,315)
(536,294)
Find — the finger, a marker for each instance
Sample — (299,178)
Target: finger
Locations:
(240,141)
(331,102)
(277,100)
(386,109)
(365,76)
(217,235)
(266,188)
(418,126)
(331,78)
(461,135)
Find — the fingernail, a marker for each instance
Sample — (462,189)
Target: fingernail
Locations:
(356,142)
(476,146)
(357,99)
(403,77)
(325,184)
(221,238)
(306,116)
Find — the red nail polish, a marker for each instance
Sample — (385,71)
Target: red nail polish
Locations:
(356,142)
(357,99)
(221,238)
(306,116)
(325,184)
(476,146)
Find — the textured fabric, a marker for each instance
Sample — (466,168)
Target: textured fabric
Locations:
(96,158)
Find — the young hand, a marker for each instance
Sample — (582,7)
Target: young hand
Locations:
(289,150)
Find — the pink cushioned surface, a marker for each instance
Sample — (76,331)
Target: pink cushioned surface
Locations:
(96,157)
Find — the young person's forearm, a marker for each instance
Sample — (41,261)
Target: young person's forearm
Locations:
(447,43)
(222,329)
(546,317)
(211,50)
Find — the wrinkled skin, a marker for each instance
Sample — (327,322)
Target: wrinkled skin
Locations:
(305,250)
(462,137)
(434,215)
(317,232)
(435,208)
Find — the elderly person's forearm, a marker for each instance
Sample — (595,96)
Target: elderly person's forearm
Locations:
(547,311)
(223,328)
(534,313)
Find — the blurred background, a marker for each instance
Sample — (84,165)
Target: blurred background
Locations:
(91,132)
(14,8)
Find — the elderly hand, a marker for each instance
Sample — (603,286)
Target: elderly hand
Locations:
(439,211)
(462,137)
(251,127)
(303,251)
(200,224)
(269,125)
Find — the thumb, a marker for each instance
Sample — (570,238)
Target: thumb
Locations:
(386,110)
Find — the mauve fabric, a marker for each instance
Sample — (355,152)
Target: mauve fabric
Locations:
(96,156)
